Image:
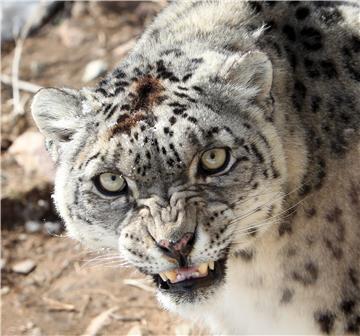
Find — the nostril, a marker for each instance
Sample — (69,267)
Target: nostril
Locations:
(191,241)
(165,246)
(180,248)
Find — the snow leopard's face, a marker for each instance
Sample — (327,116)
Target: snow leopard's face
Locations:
(176,169)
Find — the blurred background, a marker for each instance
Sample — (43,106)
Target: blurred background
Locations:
(49,284)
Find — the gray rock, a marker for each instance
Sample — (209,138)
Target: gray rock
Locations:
(33,226)
(24,267)
(94,69)
(52,228)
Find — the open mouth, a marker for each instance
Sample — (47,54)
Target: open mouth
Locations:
(187,279)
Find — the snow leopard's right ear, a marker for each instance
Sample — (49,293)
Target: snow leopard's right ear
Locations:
(57,114)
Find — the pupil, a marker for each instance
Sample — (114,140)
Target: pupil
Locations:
(212,155)
(113,177)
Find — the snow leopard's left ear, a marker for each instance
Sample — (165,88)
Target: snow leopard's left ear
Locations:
(252,70)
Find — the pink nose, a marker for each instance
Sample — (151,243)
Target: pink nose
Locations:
(179,249)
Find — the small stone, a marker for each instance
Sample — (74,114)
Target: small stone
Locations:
(29,325)
(183,330)
(39,279)
(5,290)
(137,331)
(52,228)
(36,68)
(43,204)
(35,332)
(22,236)
(94,69)
(2,263)
(24,267)
(32,226)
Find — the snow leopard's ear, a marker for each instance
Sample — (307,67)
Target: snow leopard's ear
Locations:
(57,113)
(250,70)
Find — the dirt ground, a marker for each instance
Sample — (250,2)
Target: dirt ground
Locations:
(66,293)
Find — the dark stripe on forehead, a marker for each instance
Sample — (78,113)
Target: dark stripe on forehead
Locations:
(107,108)
(111,112)
(93,157)
(184,95)
(175,51)
(126,122)
(164,73)
(147,93)
(176,154)
(81,151)
(119,73)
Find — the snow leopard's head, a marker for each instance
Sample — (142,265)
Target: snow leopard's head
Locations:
(179,168)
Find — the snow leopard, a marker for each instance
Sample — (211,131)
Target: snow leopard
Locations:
(222,159)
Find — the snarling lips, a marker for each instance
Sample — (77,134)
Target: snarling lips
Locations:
(188,279)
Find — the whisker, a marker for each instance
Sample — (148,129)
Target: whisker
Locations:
(106,256)
(236,219)
(247,230)
(245,200)
(252,197)
(98,260)
(109,262)
(280,214)
(270,221)
(252,211)
(117,266)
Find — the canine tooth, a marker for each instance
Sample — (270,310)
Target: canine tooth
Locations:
(163,276)
(211,265)
(203,268)
(171,275)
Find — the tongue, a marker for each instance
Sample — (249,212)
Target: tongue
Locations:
(186,270)
(185,273)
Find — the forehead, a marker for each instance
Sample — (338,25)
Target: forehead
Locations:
(168,77)
(162,141)
(155,119)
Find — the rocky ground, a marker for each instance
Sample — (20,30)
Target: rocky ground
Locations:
(50,285)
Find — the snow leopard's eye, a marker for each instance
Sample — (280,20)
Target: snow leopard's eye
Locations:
(214,160)
(110,184)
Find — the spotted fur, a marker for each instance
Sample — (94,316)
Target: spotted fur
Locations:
(278,84)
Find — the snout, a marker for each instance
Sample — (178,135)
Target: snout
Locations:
(178,250)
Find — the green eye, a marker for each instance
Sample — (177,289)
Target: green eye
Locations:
(110,184)
(214,160)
